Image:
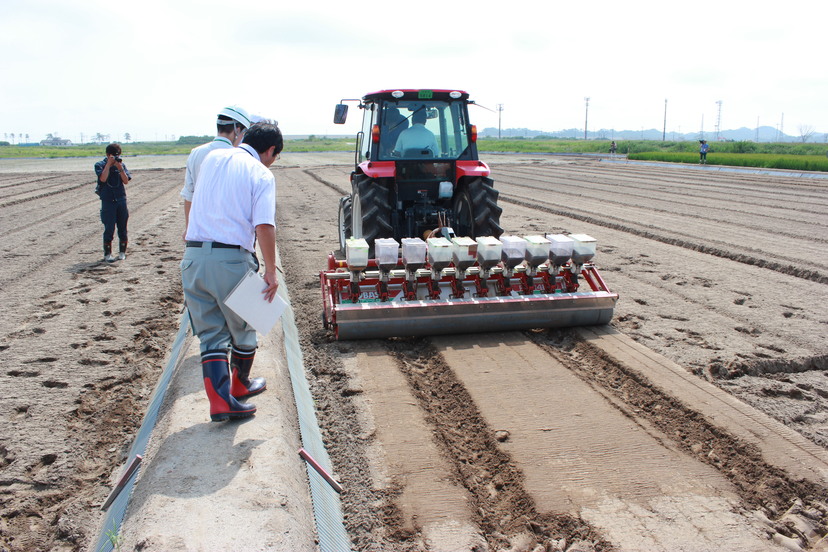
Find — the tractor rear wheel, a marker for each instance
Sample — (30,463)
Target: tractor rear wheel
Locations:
(371,211)
(476,212)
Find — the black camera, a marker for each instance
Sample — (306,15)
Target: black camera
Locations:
(118,159)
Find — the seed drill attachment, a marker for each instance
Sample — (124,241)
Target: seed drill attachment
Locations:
(464,285)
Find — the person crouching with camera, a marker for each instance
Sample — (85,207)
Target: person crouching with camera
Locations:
(113,177)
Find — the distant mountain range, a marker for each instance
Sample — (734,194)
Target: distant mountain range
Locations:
(762,134)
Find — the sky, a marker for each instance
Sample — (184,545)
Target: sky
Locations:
(159,70)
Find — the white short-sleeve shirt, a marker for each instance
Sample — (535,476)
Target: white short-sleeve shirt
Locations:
(194,161)
(234,193)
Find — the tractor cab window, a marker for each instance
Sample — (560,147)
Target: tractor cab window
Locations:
(364,142)
(419,129)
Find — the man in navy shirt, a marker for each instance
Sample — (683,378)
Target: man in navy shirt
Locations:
(112,179)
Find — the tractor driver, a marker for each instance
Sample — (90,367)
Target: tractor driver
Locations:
(417,139)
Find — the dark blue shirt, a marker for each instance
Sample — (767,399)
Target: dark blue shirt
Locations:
(113,188)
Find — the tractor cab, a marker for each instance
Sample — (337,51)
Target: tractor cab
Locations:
(413,125)
(416,168)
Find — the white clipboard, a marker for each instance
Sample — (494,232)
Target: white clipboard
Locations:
(248,301)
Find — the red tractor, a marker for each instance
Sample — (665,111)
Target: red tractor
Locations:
(416,169)
(427,256)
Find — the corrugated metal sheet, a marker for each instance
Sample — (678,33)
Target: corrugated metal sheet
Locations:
(327,507)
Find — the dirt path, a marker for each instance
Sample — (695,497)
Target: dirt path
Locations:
(489,442)
(724,299)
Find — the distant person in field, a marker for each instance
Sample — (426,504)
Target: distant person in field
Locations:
(417,139)
(113,177)
(613,147)
(704,147)
(231,124)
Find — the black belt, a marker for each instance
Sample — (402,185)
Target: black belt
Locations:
(218,245)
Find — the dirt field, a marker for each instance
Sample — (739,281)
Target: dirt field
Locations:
(512,441)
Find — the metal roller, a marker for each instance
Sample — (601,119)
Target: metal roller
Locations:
(488,314)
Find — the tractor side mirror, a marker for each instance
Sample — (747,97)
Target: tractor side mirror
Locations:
(340,114)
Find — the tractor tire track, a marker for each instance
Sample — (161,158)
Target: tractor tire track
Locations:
(648,195)
(503,506)
(37,196)
(717,187)
(26,181)
(759,484)
(805,274)
(339,189)
(716,184)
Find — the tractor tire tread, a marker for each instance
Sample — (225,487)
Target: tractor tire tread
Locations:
(485,208)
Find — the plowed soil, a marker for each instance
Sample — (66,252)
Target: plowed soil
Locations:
(536,440)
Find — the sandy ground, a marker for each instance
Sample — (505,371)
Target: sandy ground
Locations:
(561,446)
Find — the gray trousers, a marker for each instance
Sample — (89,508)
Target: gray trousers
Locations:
(208,275)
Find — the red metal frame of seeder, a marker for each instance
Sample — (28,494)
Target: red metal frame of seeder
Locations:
(376,304)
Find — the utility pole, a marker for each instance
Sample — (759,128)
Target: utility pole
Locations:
(701,132)
(664,132)
(719,121)
(499,111)
(586,117)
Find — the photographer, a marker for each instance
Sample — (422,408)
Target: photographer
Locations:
(112,179)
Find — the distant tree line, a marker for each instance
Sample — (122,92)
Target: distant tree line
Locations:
(194,140)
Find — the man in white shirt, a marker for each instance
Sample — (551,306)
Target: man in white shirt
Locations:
(231,124)
(417,141)
(233,207)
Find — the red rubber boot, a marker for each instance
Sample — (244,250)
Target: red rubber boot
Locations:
(241,385)
(216,372)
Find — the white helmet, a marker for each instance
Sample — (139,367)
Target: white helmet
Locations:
(255,118)
(235,113)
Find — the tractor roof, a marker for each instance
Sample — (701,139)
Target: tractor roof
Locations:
(416,94)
